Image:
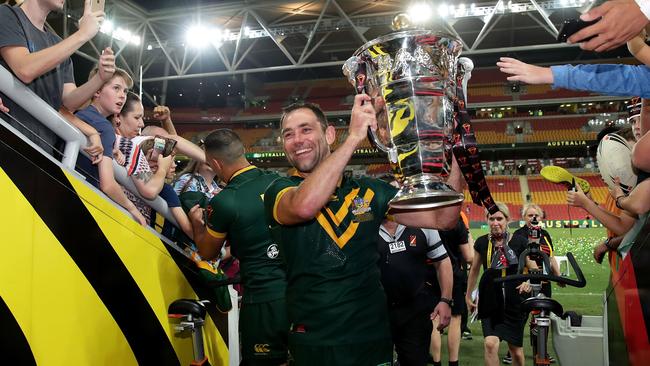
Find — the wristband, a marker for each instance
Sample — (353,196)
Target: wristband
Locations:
(447,301)
(606,243)
(618,201)
(644,5)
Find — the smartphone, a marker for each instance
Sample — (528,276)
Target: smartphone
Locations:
(97,5)
(158,147)
(170,144)
(572,26)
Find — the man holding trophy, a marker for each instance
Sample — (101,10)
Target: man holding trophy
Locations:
(326,225)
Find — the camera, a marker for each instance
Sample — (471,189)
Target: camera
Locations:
(534,230)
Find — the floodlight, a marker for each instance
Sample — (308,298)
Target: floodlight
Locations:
(107,27)
(419,12)
(122,34)
(198,36)
(443,10)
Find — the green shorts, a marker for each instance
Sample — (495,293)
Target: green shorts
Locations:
(375,353)
(264,329)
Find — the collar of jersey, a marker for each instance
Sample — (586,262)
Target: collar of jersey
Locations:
(386,235)
(240,171)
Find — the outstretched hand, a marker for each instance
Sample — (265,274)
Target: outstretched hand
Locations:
(523,72)
(90,22)
(106,65)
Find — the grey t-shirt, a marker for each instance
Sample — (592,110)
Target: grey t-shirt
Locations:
(48,86)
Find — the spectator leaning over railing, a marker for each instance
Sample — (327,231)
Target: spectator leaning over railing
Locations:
(617,221)
(41,60)
(150,184)
(107,102)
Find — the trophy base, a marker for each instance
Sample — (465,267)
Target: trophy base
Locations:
(425,194)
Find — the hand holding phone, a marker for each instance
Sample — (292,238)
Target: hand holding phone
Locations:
(97,5)
(572,26)
(158,147)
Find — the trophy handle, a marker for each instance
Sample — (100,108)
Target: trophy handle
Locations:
(466,66)
(374,140)
(355,69)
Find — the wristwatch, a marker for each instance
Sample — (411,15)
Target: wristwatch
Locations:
(447,301)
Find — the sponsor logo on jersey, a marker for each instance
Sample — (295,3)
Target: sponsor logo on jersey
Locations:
(298,328)
(413,240)
(261,348)
(272,251)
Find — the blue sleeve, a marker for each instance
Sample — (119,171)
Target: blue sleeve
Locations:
(108,141)
(609,79)
(167,193)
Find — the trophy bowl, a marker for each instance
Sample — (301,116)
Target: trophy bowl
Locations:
(410,76)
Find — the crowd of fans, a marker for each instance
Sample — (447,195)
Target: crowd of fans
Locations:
(315,247)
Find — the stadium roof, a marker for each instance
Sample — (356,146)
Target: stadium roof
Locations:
(273,40)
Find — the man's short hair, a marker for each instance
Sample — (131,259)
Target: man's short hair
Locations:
(311,106)
(118,72)
(224,144)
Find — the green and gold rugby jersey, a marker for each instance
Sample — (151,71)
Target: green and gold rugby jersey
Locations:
(237,214)
(334,295)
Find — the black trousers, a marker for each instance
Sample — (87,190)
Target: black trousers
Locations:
(411,327)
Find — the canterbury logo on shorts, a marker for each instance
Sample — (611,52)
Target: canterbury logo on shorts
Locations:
(261,348)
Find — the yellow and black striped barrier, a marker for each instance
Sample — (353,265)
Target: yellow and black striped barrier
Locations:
(81,283)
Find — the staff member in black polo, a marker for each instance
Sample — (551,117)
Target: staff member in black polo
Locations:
(407,257)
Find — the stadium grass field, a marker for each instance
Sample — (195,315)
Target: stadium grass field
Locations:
(586,301)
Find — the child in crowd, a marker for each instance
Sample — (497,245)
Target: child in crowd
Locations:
(108,100)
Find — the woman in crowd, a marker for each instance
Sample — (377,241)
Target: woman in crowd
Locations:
(128,124)
(500,304)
